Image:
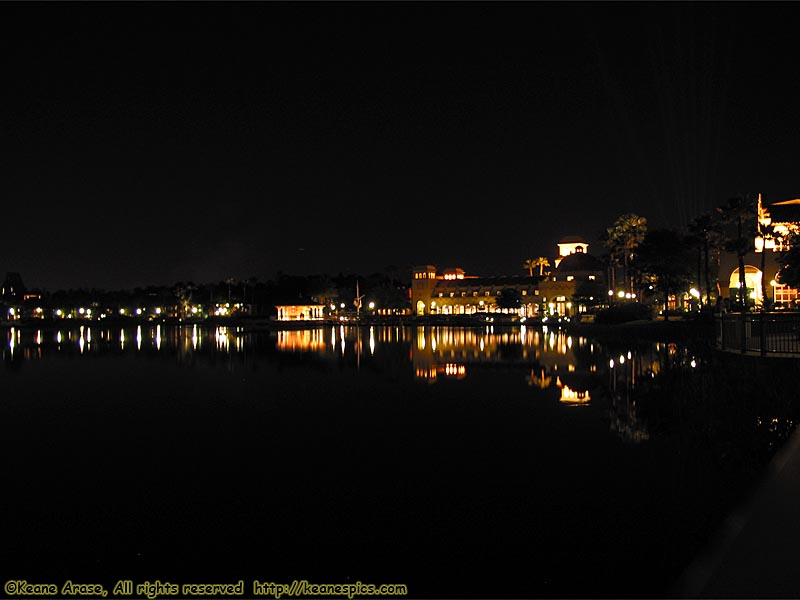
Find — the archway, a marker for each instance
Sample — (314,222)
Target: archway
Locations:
(752,280)
(420,308)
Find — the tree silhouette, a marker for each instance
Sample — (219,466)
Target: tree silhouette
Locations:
(706,232)
(790,261)
(623,237)
(532,263)
(739,217)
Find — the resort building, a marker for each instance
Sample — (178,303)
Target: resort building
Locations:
(577,282)
(570,245)
(301,312)
(452,292)
(775,222)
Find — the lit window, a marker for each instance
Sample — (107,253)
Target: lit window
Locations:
(463,294)
(441,294)
(524,292)
(452,294)
(487,292)
(570,277)
(474,293)
(535,292)
(592,277)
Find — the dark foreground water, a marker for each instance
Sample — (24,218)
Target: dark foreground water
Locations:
(460,462)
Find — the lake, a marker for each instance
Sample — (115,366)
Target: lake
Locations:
(461,462)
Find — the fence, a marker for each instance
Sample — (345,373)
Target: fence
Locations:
(764,334)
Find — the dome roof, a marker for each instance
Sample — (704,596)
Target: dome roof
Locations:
(580,261)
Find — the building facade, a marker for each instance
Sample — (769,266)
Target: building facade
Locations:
(774,224)
(577,282)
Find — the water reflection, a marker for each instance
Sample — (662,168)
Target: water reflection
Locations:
(620,378)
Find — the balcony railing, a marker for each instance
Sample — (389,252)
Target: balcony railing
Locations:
(759,333)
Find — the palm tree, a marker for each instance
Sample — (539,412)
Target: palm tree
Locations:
(765,232)
(532,263)
(541,262)
(706,232)
(738,213)
(623,237)
(529,264)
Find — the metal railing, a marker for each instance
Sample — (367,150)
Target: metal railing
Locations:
(759,333)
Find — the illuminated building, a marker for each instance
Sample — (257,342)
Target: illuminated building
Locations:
(300,312)
(783,217)
(570,245)
(577,282)
(454,293)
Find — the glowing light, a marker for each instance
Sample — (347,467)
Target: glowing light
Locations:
(610,292)
(81,310)
(372,305)
(138,311)
(694,293)
(59,312)
(621,359)
(158,311)
(693,363)
(11,311)
(611,363)
(621,294)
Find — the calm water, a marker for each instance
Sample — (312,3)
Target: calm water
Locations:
(462,462)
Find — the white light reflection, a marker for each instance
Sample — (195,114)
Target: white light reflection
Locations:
(122,339)
(12,342)
(138,337)
(194,337)
(158,337)
(221,335)
(372,340)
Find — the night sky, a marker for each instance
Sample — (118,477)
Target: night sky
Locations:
(149,143)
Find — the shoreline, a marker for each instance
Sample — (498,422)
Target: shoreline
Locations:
(680,328)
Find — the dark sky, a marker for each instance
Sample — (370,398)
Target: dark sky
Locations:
(147,143)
